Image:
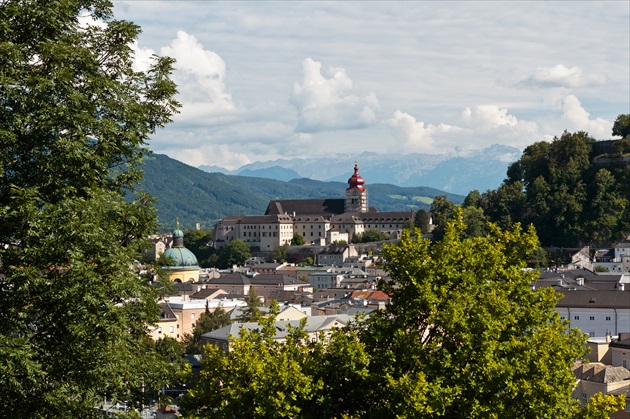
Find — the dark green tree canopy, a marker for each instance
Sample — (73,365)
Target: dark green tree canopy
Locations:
(370,235)
(74,121)
(567,191)
(621,127)
(200,243)
(235,253)
(252,311)
(422,221)
(297,240)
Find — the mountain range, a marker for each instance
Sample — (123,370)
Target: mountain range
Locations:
(482,170)
(192,196)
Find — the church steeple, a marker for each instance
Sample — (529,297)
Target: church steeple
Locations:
(356,193)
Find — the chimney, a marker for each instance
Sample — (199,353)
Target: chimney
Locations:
(580,281)
(622,286)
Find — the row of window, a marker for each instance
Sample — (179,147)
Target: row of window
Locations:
(608,318)
(259,227)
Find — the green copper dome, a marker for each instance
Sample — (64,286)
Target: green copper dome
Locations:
(179,255)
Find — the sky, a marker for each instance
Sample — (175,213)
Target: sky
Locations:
(267,80)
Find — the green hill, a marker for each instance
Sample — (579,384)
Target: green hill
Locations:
(195,196)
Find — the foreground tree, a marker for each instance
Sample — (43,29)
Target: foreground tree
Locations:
(465,336)
(74,121)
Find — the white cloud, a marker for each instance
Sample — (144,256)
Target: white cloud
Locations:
(478,127)
(142,57)
(561,76)
(331,103)
(576,118)
(414,134)
(430,60)
(200,77)
(220,155)
(487,117)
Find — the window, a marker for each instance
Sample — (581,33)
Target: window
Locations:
(172,329)
(624,363)
(576,317)
(627,406)
(591,334)
(192,316)
(608,318)
(561,317)
(592,318)
(584,399)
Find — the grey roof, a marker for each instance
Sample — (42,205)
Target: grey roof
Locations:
(624,343)
(267,218)
(166,313)
(312,325)
(275,279)
(623,245)
(205,293)
(600,373)
(374,217)
(291,296)
(325,207)
(595,299)
(233,278)
(310,218)
(569,280)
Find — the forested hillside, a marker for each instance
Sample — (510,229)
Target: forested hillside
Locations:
(194,196)
(574,190)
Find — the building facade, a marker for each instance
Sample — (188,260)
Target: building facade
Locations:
(319,221)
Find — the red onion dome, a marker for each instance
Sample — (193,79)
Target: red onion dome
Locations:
(356,181)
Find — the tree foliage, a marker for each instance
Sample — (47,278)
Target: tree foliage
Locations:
(235,253)
(252,311)
(621,127)
(422,221)
(561,188)
(464,336)
(207,322)
(200,243)
(601,406)
(297,240)
(74,121)
(370,235)
(441,211)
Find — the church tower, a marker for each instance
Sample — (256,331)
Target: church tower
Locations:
(356,194)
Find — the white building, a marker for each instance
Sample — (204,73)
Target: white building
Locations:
(596,313)
(318,221)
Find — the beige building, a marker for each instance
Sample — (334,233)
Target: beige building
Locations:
(595,378)
(187,311)
(318,221)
